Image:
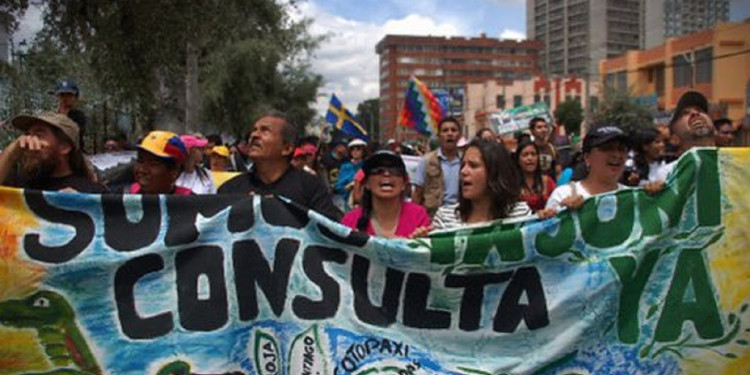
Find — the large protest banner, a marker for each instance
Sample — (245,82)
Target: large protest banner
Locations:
(221,285)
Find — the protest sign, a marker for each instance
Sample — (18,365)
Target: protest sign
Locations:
(517,119)
(630,283)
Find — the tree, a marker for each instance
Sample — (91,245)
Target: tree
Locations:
(618,108)
(570,114)
(368,114)
(161,56)
(10,12)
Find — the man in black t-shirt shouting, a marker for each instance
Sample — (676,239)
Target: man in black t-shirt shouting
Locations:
(271,146)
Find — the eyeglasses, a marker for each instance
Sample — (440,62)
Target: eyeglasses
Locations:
(393,171)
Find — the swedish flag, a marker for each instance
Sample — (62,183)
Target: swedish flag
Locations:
(343,120)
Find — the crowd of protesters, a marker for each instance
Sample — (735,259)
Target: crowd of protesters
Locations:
(461,182)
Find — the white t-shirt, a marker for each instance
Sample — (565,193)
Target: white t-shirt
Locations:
(194,182)
(564,191)
(662,172)
(446,216)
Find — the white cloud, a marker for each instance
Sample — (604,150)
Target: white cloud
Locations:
(414,24)
(347,59)
(29,25)
(513,34)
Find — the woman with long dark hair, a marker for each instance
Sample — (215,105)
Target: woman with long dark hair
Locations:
(489,188)
(383,211)
(648,158)
(535,185)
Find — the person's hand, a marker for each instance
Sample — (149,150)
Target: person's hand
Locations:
(31,142)
(653,187)
(546,213)
(633,179)
(572,202)
(421,232)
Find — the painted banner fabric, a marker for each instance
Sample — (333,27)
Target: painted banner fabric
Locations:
(628,284)
(517,119)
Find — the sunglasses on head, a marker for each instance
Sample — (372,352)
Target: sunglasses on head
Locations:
(393,171)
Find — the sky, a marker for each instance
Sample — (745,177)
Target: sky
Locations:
(347,59)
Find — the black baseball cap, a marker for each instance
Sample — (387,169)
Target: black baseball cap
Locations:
(687,100)
(603,134)
(383,158)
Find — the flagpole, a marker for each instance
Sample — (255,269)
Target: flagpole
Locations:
(398,126)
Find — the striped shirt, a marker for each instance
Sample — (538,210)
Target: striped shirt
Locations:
(447,216)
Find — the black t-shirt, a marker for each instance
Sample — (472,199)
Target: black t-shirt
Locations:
(79,118)
(332,166)
(299,186)
(77,183)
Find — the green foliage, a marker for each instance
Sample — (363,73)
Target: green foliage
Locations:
(619,108)
(10,12)
(368,114)
(249,55)
(570,114)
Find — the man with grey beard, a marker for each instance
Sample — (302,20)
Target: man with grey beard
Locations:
(47,157)
(690,127)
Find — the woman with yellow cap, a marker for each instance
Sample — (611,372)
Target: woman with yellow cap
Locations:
(219,159)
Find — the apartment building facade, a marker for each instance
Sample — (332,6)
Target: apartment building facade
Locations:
(715,62)
(446,63)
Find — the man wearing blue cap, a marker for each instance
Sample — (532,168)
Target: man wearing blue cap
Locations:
(67,93)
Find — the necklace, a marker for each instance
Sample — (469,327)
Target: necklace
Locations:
(379,230)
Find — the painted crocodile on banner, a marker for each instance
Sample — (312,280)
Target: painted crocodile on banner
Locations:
(53,318)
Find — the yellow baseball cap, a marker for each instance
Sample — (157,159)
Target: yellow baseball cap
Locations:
(221,151)
(164,144)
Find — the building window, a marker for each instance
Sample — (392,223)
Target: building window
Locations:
(683,71)
(704,65)
(537,98)
(500,102)
(621,81)
(659,73)
(594,101)
(610,80)
(517,100)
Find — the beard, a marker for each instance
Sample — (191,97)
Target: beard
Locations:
(35,167)
(700,127)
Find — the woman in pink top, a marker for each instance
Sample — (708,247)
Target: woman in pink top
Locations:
(383,211)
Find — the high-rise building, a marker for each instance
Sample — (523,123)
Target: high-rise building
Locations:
(576,34)
(446,63)
(674,18)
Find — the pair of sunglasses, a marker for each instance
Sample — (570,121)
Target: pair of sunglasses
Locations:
(393,171)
